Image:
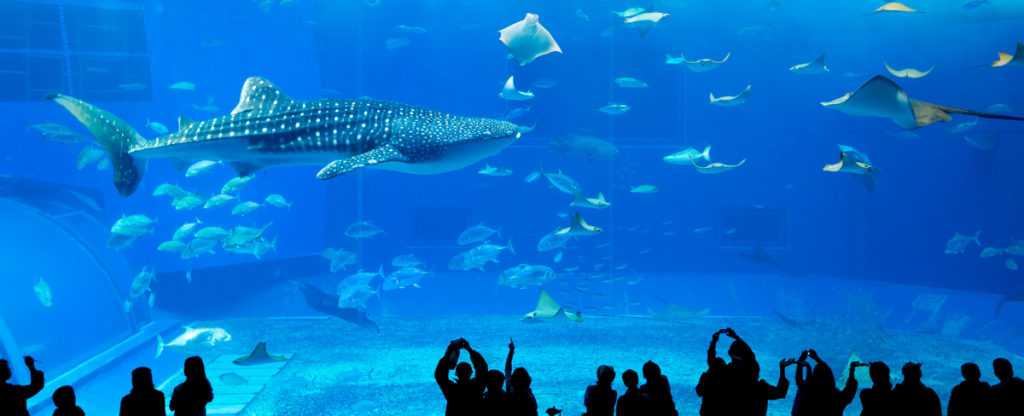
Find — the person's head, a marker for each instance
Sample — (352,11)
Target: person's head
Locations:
(630,378)
(822,377)
(142,379)
(651,371)
(5,370)
(879,373)
(521,379)
(494,380)
(740,349)
(463,371)
(605,374)
(194,368)
(912,371)
(1003,369)
(970,371)
(64,397)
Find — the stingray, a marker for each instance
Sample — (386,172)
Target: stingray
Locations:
(868,180)
(847,164)
(1005,59)
(907,73)
(703,65)
(892,7)
(259,356)
(760,256)
(714,167)
(548,311)
(327,304)
(881,97)
(509,92)
(1016,297)
(579,226)
(730,101)
(815,67)
(676,312)
(862,376)
(528,40)
(646,20)
(796,324)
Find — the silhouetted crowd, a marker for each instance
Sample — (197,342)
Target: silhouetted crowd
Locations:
(189,398)
(730,389)
(726,389)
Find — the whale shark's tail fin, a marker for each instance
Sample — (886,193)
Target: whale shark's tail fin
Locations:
(116,137)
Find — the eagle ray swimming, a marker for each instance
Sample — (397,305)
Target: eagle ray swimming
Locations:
(268,129)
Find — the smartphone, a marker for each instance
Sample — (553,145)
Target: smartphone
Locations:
(724,331)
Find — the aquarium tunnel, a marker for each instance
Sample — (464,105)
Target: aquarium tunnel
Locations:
(317,197)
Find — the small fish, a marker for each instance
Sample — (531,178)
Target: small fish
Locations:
(409,29)
(127,306)
(278,201)
(186,230)
(89,155)
(501,170)
(152,298)
(188,275)
(558,257)
(103,164)
(200,167)
(364,406)
(645,251)
(172,246)
(774,5)
(352,376)
(1000,108)
(156,127)
(634,281)
(245,208)
(544,83)
(632,303)
(218,201)
(185,86)
(644,189)
(189,202)
(477,233)
(236,184)
(363,229)
(120,241)
(626,82)
(209,108)
(1010,264)
(133,87)
(622,266)
(579,14)
(991,252)
(213,233)
(608,306)
(572,269)
(730,231)
(975,4)
(397,43)
(141,282)
(703,229)
(613,109)
(43,293)
(408,260)
(957,244)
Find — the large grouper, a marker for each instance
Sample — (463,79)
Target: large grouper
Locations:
(268,129)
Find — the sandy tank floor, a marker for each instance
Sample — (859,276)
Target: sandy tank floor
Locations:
(562,359)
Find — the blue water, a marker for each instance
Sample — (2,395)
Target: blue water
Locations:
(826,225)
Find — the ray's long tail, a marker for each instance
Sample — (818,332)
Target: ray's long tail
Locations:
(116,137)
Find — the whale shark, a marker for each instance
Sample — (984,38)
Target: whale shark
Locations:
(269,129)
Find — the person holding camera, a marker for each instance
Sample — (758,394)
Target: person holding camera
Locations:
(13,398)
(818,395)
(465,394)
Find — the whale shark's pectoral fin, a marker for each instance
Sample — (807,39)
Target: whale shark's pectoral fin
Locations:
(244,168)
(179,163)
(380,154)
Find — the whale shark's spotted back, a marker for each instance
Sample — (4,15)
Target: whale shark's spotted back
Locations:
(268,128)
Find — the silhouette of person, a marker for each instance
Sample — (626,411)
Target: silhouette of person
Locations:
(659,390)
(190,398)
(465,393)
(13,397)
(748,395)
(818,394)
(517,385)
(911,397)
(144,399)
(711,387)
(1007,395)
(633,402)
(970,397)
(600,398)
(495,401)
(877,400)
(64,399)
